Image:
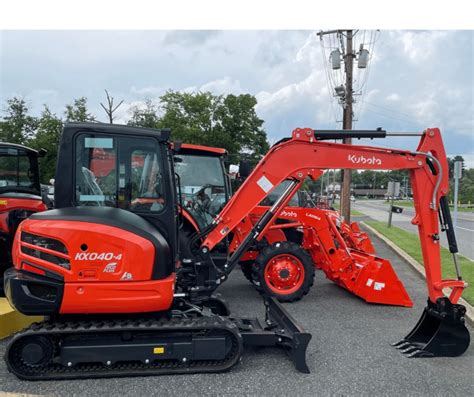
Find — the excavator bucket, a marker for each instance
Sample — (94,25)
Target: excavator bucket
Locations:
(440,332)
(377,282)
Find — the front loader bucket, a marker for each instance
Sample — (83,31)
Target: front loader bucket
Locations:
(377,282)
(440,332)
(362,239)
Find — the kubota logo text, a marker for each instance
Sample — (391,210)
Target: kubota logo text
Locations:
(364,160)
(289,214)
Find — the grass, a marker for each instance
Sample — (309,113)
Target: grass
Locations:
(410,243)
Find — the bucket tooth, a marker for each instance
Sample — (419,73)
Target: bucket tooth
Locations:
(401,345)
(410,349)
(418,354)
(440,332)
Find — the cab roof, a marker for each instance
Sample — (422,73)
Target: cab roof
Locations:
(27,149)
(200,149)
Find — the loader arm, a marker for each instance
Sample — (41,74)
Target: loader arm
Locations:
(306,155)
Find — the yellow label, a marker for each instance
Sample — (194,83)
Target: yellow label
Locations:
(158,350)
(3,202)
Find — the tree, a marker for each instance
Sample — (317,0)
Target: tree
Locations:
(239,120)
(77,111)
(47,137)
(110,108)
(215,120)
(144,117)
(18,126)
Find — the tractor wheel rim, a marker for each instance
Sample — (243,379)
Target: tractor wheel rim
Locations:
(284,274)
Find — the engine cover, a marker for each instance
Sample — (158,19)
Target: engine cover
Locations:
(109,261)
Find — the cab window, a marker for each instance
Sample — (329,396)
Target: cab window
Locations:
(119,172)
(18,171)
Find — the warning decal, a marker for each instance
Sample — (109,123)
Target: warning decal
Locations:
(265,184)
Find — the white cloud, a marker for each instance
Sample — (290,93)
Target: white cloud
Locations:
(393,97)
(150,91)
(226,85)
(189,37)
(419,46)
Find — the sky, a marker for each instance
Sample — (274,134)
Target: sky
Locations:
(415,79)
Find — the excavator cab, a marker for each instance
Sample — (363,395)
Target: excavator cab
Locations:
(119,167)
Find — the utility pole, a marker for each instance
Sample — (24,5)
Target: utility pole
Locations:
(457,177)
(347,125)
(347,101)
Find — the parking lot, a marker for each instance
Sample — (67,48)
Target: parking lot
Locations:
(350,353)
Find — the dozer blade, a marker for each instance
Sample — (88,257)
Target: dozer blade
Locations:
(440,332)
(377,282)
(280,329)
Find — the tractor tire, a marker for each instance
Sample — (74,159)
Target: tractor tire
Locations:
(247,270)
(246,267)
(184,244)
(284,270)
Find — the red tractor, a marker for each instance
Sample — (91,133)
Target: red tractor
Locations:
(302,237)
(20,195)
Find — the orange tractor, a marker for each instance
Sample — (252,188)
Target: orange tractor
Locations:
(103,265)
(302,237)
(20,195)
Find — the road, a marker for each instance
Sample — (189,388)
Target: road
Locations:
(349,354)
(378,210)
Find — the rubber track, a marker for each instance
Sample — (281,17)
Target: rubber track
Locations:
(97,370)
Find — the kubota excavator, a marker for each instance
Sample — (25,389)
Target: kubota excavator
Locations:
(72,263)
(102,268)
(20,195)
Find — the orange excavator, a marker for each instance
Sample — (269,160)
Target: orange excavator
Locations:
(103,265)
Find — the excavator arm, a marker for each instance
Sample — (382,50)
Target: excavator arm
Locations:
(306,154)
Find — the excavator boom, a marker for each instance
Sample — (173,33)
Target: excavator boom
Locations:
(304,155)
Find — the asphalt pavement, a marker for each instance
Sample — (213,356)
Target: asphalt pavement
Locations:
(378,210)
(350,353)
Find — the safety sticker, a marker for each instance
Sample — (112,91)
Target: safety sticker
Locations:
(369,282)
(158,350)
(379,286)
(265,184)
